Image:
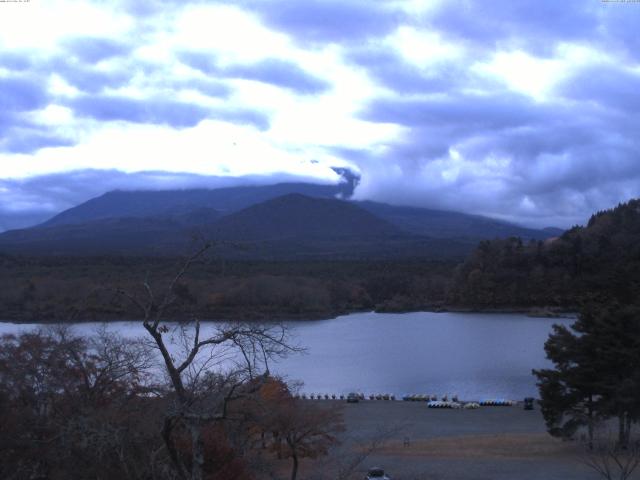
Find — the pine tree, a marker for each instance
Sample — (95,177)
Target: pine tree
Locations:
(596,374)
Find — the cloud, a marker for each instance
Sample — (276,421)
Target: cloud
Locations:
(30,140)
(15,61)
(156,111)
(242,116)
(92,80)
(536,27)
(205,62)
(209,88)
(272,71)
(470,112)
(327,21)
(507,155)
(161,112)
(619,30)
(95,49)
(610,86)
(282,74)
(21,94)
(388,68)
(522,110)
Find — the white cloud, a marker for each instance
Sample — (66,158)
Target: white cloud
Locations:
(232,34)
(210,148)
(423,47)
(42,23)
(524,73)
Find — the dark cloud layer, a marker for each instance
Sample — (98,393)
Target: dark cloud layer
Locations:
(92,80)
(31,140)
(20,95)
(161,112)
(155,111)
(472,144)
(609,86)
(470,112)
(273,71)
(15,61)
(322,21)
(209,88)
(386,67)
(535,26)
(95,49)
(544,163)
(282,74)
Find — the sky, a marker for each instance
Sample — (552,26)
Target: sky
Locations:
(527,111)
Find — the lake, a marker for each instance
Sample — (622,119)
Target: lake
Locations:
(470,354)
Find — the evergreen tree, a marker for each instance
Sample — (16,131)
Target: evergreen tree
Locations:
(596,374)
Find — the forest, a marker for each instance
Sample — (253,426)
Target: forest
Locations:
(599,260)
(47,289)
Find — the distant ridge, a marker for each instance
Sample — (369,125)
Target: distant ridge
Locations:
(449,224)
(149,203)
(286,220)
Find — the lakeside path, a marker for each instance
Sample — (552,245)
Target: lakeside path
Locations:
(491,443)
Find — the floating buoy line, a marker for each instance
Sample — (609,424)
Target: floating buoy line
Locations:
(432,401)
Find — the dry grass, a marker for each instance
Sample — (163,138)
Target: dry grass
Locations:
(500,446)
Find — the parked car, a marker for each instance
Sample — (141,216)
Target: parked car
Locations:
(353,398)
(376,474)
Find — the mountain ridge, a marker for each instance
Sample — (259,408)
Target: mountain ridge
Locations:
(305,218)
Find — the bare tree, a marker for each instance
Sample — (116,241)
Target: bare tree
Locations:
(611,460)
(206,373)
(75,406)
(301,429)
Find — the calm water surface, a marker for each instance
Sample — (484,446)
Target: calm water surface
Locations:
(469,354)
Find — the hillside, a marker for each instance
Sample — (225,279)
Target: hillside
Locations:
(302,217)
(119,203)
(299,227)
(601,259)
(286,220)
(448,224)
(289,227)
(108,236)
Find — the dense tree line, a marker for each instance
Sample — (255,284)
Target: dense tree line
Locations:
(45,289)
(601,259)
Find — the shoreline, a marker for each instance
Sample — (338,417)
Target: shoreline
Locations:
(533,312)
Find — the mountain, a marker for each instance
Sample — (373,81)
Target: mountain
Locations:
(295,226)
(225,201)
(448,224)
(141,203)
(282,220)
(291,226)
(106,236)
(553,231)
(302,217)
